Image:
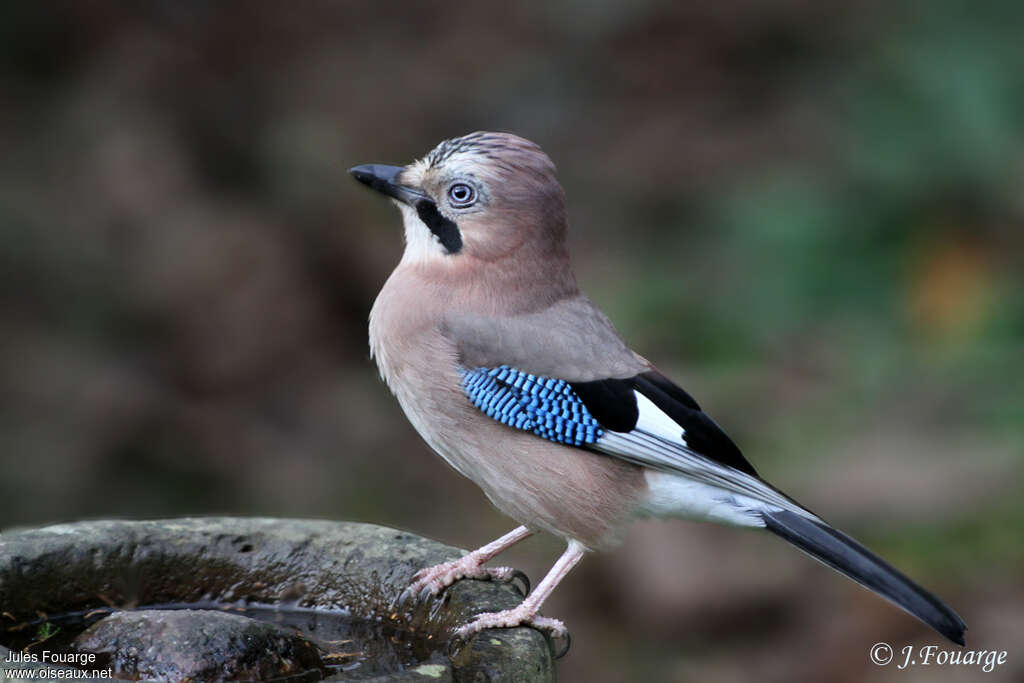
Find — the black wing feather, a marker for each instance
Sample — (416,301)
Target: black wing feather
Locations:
(613,404)
(610,401)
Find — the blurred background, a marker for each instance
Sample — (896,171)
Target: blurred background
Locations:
(809,213)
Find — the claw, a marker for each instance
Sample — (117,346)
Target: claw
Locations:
(402,600)
(432,581)
(414,595)
(567,637)
(555,631)
(523,578)
(455,645)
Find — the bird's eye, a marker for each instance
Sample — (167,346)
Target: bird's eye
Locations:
(461,195)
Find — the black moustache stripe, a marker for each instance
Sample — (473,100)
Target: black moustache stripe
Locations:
(446,231)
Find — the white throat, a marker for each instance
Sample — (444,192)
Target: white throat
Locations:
(421,244)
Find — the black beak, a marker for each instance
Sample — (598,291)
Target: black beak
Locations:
(384,179)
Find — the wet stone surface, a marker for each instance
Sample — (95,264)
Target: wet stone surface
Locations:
(333,584)
(198,645)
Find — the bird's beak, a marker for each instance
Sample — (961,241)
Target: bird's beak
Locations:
(384,179)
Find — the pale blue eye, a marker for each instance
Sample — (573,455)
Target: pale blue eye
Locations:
(461,195)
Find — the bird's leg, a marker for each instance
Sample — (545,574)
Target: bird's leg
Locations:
(526,612)
(433,580)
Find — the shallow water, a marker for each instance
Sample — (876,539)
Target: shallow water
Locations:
(358,648)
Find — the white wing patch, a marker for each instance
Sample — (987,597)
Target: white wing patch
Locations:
(653,421)
(684,483)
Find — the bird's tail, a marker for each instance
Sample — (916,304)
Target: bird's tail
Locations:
(848,557)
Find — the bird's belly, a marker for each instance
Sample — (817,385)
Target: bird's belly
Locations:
(570,492)
(567,491)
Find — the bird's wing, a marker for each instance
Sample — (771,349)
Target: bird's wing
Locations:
(566,375)
(511,372)
(570,339)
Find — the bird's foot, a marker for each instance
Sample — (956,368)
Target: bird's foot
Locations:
(430,581)
(523,615)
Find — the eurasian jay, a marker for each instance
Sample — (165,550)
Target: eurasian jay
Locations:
(520,383)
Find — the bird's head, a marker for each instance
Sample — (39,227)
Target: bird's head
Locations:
(483,197)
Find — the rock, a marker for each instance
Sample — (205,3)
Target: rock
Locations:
(357,569)
(199,645)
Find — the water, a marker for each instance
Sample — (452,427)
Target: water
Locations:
(358,648)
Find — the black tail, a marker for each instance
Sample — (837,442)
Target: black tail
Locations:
(849,557)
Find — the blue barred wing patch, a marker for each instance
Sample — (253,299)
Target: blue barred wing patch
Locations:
(547,407)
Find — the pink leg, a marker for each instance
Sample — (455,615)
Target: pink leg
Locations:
(437,578)
(526,612)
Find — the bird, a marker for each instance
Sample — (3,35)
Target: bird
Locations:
(515,378)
